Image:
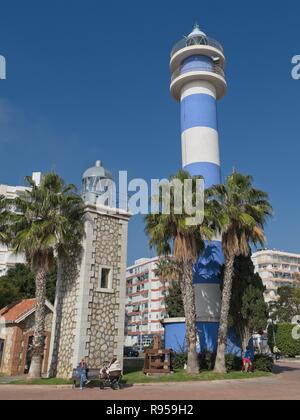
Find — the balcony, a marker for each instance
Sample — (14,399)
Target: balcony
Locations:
(199,45)
(201,68)
(213,74)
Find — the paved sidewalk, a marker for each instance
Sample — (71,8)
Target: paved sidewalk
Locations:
(284,385)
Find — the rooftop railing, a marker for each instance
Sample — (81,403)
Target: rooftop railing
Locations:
(184,43)
(204,68)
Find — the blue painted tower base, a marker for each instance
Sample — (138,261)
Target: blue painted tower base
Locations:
(208,334)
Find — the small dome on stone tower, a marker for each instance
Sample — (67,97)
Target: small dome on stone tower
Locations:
(97,171)
(95,182)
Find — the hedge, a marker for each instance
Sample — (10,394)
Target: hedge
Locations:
(261,362)
(285,342)
(207,361)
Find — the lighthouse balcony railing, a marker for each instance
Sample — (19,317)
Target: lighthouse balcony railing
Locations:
(184,43)
(199,68)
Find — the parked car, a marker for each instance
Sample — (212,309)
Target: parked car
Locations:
(130,352)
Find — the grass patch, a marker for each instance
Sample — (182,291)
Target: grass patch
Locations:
(182,376)
(51,381)
(140,378)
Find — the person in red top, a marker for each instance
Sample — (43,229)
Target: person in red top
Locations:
(247,361)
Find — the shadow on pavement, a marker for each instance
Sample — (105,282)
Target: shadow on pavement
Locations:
(278,369)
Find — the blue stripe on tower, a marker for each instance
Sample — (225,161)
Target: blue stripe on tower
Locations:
(210,172)
(199,110)
(197,63)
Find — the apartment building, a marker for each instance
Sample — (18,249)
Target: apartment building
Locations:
(277,269)
(145,303)
(8,259)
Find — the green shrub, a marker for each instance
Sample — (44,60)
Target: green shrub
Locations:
(263,363)
(179,360)
(233,363)
(284,340)
(207,360)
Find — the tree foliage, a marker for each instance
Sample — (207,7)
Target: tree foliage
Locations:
(248,310)
(169,271)
(288,305)
(3,218)
(174,302)
(19,284)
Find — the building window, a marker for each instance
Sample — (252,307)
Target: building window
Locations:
(105,278)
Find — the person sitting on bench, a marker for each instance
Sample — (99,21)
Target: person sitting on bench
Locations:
(81,373)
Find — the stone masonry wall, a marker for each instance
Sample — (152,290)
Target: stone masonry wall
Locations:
(15,342)
(106,306)
(64,320)
(89,321)
(9,341)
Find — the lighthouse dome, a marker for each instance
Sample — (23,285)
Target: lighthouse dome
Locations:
(197,37)
(95,181)
(196,32)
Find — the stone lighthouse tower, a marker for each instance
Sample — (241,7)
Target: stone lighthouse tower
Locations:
(89,313)
(198,82)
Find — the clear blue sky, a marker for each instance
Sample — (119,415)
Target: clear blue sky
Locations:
(89,80)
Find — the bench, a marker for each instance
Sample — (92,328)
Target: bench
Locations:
(92,375)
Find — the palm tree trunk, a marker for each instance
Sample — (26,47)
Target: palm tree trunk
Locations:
(188,296)
(220,365)
(39,327)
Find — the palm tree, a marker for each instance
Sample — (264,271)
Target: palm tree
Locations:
(3,219)
(168,269)
(47,222)
(243,211)
(171,234)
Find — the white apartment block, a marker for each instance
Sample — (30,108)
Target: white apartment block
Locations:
(277,269)
(8,259)
(145,303)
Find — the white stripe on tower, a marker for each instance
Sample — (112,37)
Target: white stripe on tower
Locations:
(198,87)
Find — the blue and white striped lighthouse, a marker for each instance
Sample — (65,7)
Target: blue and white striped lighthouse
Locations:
(198,82)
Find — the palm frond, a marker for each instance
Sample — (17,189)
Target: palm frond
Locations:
(46,221)
(242,211)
